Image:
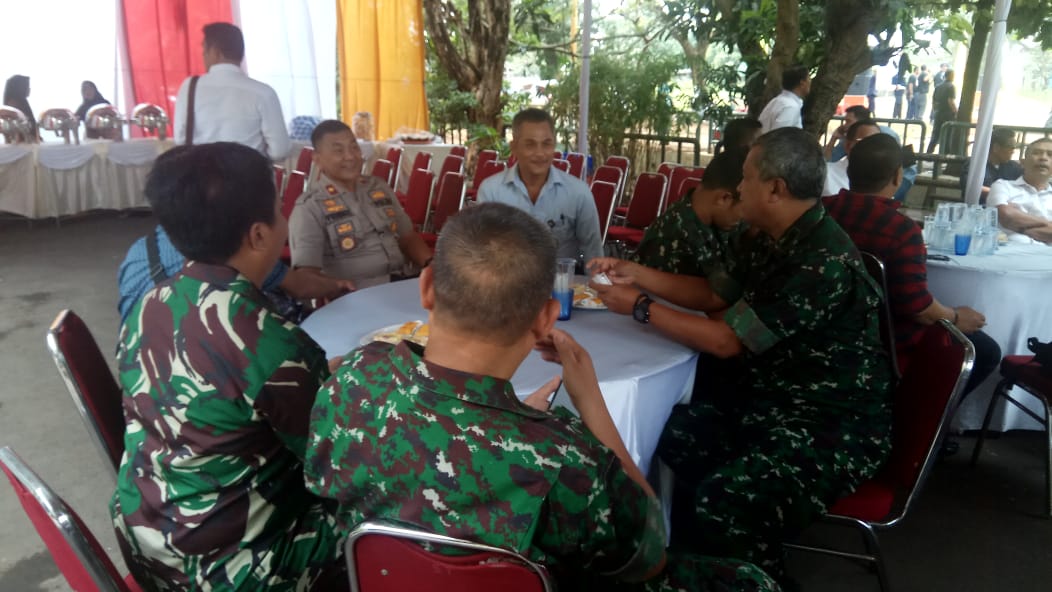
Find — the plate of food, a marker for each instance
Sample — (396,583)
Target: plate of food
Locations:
(586,298)
(415,331)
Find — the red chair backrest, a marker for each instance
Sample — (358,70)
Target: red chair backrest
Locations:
(451,164)
(459,150)
(449,197)
(697,173)
(576,160)
(394,154)
(688,185)
(76,551)
(418,196)
(665,168)
(604,194)
(383,169)
(610,174)
(562,165)
(647,199)
(620,162)
(293,191)
(487,170)
(422,160)
(512,160)
(89,381)
(382,562)
(486,156)
(675,182)
(306,158)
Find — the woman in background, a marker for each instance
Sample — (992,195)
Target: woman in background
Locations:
(16,94)
(90,93)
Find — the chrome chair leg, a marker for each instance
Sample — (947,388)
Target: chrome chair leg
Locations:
(1002,388)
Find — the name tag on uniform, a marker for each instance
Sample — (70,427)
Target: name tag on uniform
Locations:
(378,195)
(334,207)
(344,228)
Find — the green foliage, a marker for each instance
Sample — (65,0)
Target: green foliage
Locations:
(449,106)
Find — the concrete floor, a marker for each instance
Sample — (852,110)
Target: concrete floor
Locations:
(973,529)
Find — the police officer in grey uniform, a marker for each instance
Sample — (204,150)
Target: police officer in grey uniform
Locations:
(349,225)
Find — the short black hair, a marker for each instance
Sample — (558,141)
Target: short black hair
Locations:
(738,133)
(494,269)
(859,111)
(793,76)
(1003,136)
(1045,140)
(793,155)
(852,132)
(724,171)
(873,163)
(208,196)
(531,115)
(227,38)
(329,126)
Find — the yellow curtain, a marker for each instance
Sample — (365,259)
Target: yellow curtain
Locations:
(381,55)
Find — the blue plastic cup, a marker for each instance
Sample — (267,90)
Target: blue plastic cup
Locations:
(563,288)
(565,298)
(961,242)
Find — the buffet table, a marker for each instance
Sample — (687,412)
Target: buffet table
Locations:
(1009,288)
(642,374)
(49,180)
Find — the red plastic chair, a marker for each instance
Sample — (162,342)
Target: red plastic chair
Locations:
(666,168)
(647,202)
(675,184)
(604,194)
(689,184)
(486,156)
(422,160)
(448,199)
(305,160)
(450,164)
(611,174)
(76,551)
(483,172)
(562,165)
(1025,373)
(418,197)
(383,169)
(460,151)
(577,162)
(623,163)
(385,557)
(923,403)
(89,381)
(394,154)
(293,190)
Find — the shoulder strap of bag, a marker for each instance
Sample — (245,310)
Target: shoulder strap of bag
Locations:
(153,257)
(190,111)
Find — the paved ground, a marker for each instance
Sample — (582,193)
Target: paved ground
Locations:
(973,530)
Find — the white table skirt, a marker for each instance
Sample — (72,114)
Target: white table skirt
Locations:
(1009,288)
(642,374)
(47,180)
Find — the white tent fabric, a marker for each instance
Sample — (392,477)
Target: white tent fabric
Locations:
(991,84)
(291,46)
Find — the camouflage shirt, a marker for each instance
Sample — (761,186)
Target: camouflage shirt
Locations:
(396,437)
(806,311)
(679,242)
(217,397)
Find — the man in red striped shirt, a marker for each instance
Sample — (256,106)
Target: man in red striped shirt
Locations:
(871,218)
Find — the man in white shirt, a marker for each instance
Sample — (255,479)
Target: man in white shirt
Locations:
(836,172)
(1024,206)
(784,110)
(228,105)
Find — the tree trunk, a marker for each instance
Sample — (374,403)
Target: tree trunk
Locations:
(982,22)
(848,23)
(786,41)
(753,54)
(474,52)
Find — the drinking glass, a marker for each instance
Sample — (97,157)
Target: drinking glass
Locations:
(928,230)
(563,289)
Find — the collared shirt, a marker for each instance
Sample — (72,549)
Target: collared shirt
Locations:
(1009,170)
(782,111)
(836,173)
(351,235)
(565,205)
(806,311)
(217,397)
(395,436)
(836,177)
(231,107)
(876,226)
(1030,199)
(678,242)
(134,278)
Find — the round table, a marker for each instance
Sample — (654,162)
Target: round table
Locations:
(1009,288)
(642,374)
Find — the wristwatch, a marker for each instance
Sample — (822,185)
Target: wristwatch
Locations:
(641,310)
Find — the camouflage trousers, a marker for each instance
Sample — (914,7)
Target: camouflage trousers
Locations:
(684,572)
(749,479)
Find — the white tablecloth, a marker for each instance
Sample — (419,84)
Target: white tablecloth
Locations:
(46,180)
(641,373)
(1010,288)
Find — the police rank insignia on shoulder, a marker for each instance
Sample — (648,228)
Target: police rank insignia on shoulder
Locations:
(331,189)
(346,243)
(344,228)
(377,195)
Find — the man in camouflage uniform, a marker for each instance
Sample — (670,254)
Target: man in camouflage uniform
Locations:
(689,238)
(217,395)
(348,225)
(439,439)
(796,406)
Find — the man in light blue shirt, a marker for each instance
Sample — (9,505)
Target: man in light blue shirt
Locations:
(558,200)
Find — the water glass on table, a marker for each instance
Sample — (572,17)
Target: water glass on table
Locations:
(563,289)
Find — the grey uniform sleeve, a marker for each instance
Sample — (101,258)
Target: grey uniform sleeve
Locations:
(307,235)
